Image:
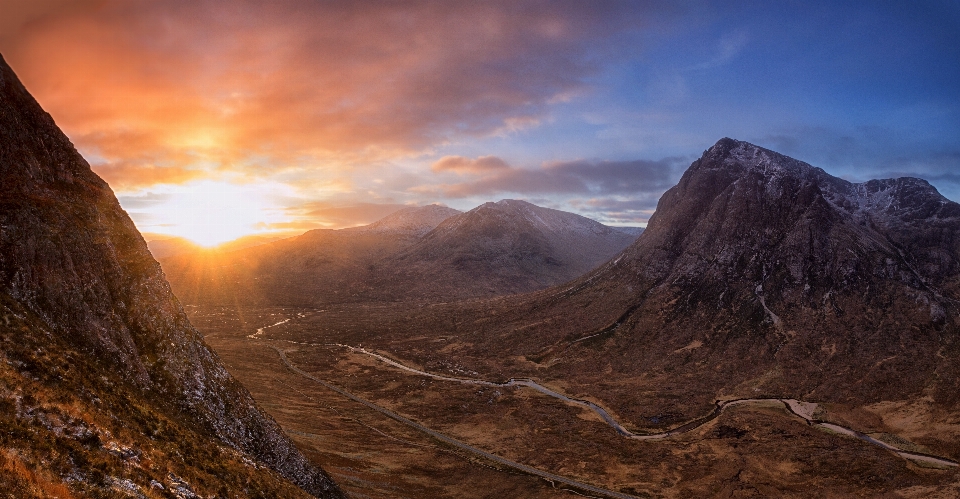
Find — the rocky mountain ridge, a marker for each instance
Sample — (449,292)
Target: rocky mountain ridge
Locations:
(413,221)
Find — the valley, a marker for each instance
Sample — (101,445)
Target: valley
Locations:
(472,250)
(755,449)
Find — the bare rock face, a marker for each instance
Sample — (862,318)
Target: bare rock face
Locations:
(71,257)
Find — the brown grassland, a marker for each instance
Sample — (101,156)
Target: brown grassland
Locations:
(756,451)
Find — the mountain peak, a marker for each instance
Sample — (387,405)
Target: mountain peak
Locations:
(731,161)
(514,203)
(741,157)
(415,220)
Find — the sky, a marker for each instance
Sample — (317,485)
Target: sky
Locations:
(212,120)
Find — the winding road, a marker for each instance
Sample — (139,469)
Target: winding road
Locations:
(585,487)
(803,410)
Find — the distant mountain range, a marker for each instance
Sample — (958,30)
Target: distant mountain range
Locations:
(426,253)
(106,390)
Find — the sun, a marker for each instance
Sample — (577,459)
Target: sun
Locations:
(210,213)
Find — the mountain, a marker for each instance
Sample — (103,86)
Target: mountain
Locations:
(413,221)
(497,248)
(105,385)
(633,231)
(316,267)
(425,253)
(757,276)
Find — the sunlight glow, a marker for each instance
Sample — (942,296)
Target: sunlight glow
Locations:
(210,213)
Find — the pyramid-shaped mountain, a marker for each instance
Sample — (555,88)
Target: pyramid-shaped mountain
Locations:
(105,387)
(499,248)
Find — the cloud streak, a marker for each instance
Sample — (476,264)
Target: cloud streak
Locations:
(629,178)
(461,164)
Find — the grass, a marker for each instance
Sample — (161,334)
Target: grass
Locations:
(70,427)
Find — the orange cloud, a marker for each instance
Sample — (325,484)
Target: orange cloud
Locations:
(124,176)
(268,85)
(461,164)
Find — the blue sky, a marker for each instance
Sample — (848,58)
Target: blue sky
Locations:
(306,114)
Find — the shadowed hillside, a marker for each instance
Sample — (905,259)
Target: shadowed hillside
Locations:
(105,385)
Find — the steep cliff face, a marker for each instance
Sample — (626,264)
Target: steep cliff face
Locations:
(71,258)
(762,217)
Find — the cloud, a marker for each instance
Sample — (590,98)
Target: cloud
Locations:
(180,83)
(145,200)
(18,14)
(127,176)
(461,164)
(728,47)
(567,177)
(631,211)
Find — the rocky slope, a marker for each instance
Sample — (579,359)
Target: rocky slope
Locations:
(105,383)
(426,253)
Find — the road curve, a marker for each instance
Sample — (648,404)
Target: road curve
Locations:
(585,487)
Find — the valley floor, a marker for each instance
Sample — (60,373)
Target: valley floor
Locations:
(750,450)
